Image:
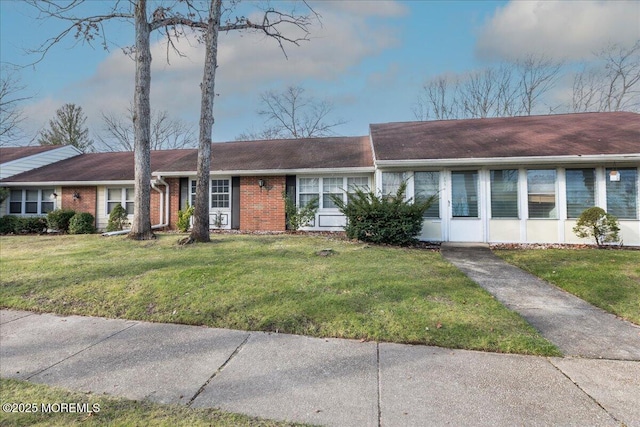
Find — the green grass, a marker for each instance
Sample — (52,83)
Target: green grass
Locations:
(110,411)
(267,283)
(609,279)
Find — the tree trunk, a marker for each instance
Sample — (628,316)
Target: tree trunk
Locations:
(141,226)
(200,230)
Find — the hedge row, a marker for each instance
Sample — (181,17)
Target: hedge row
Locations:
(61,220)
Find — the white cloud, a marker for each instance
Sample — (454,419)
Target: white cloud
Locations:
(249,63)
(561,29)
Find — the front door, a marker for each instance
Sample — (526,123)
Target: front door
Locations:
(465,224)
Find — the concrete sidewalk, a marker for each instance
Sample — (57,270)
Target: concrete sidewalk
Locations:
(576,327)
(321,381)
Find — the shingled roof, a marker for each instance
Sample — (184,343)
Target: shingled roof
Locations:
(530,136)
(8,154)
(283,155)
(277,155)
(95,167)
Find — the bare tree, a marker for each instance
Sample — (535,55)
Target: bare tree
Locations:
(10,114)
(438,99)
(538,74)
(291,114)
(166,132)
(68,128)
(611,83)
(272,25)
(506,89)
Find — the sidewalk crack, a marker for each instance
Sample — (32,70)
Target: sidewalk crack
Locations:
(584,391)
(78,352)
(226,362)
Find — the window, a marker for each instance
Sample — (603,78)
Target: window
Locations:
(31,201)
(541,188)
(323,188)
(122,196)
(464,189)
(580,191)
(331,187)
(309,188)
(504,193)
(357,183)
(391,182)
(427,184)
(219,193)
(622,193)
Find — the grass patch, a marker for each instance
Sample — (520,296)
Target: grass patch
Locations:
(609,279)
(111,411)
(267,283)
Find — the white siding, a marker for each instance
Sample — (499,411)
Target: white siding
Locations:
(24,164)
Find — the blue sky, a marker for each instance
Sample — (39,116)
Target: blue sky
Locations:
(369,58)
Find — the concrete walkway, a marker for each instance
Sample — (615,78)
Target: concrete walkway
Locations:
(576,327)
(320,381)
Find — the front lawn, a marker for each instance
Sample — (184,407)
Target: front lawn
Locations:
(269,283)
(609,279)
(43,403)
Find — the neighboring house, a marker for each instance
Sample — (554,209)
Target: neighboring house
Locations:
(16,160)
(520,179)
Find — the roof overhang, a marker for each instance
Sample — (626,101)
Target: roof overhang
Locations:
(270,172)
(64,183)
(486,161)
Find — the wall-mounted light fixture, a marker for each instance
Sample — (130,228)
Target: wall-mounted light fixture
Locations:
(261,183)
(76,196)
(53,196)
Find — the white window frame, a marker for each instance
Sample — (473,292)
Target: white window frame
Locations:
(23,201)
(320,193)
(123,198)
(556,208)
(192,193)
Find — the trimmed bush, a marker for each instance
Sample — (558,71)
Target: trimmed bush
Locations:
(599,225)
(59,219)
(388,219)
(82,223)
(9,224)
(118,218)
(33,225)
(184,218)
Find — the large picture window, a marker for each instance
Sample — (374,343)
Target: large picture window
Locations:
(580,191)
(31,201)
(122,196)
(622,192)
(323,188)
(425,185)
(541,197)
(504,193)
(464,189)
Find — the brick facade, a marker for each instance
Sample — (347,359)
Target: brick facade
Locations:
(262,209)
(86,202)
(174,202)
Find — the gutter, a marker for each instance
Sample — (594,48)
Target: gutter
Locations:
(483,161)
(164,202)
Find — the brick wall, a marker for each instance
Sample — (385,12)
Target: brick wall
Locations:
(155,204)
(174,201)
(85,203)
(262,209)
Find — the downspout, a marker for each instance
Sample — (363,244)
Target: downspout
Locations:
(162,204)
(162,223)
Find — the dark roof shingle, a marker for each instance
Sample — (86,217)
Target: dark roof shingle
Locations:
(530,136)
